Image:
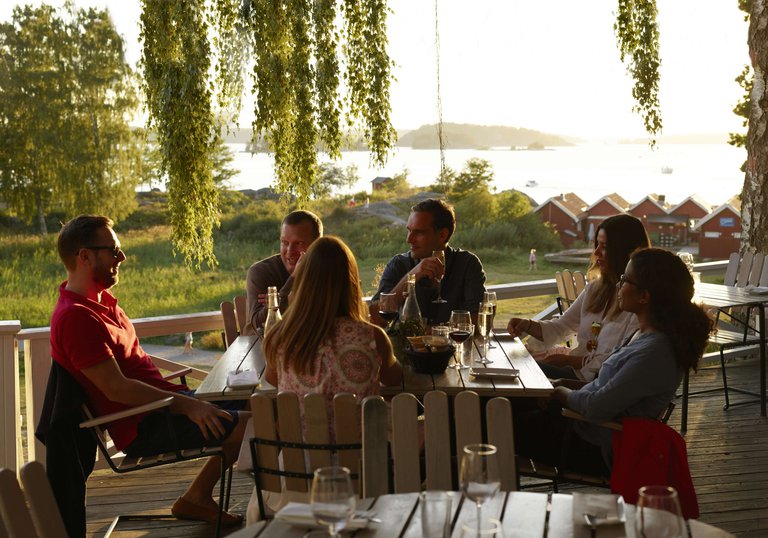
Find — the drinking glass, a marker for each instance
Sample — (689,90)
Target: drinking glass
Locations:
(388,307)
(459,323)
(484,320)
(440,255)
(490,298)
(480,476)
(658,514)
(332,498)
(435,514)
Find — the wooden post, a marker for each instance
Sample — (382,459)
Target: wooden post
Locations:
(37,367)
(10,407)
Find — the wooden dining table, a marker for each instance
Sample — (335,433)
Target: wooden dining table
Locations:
(522,514)
(722,297)
(509,353)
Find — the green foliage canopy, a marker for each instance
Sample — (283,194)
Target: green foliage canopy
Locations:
(637,35)
(67,95)
(299,52)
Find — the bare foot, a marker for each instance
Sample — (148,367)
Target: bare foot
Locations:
(208,512)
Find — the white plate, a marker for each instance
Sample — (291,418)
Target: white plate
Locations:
(757,290)
(495,373)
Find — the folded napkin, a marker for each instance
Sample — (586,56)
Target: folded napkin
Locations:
(300,514)
(609,509)
(246,378)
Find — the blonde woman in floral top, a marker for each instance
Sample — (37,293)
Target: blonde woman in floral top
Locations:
(324,343)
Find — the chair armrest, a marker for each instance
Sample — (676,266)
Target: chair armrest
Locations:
(151,406)
(178,373)
(567,413)
(167,364)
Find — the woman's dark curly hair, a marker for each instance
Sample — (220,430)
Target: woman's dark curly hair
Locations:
(665,277)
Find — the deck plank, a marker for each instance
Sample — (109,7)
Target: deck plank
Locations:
(728,456)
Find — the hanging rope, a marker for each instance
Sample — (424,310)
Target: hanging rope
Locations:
(440,138)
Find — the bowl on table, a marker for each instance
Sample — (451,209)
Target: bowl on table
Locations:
(429,355)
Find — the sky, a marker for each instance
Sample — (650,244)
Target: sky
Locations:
(547,65)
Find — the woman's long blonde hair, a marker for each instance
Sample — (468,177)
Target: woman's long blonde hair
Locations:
(326,286)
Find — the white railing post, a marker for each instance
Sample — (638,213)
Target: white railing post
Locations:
(37,367)
(10,403)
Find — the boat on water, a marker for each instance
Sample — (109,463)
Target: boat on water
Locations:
(532,183)
(666,170)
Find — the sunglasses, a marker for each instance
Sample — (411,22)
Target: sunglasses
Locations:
(624,280)
(114,250)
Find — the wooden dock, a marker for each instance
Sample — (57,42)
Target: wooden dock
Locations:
(727,450)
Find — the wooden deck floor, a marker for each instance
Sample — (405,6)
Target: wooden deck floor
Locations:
(727,450)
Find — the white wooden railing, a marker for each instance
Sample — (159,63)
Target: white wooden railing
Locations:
(37,362)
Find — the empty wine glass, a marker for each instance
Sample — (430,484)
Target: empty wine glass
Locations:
(490,298)
(388,307)
(658,514)
(460,323)
(332,498)
(484,320)
(440,255)
(480,476)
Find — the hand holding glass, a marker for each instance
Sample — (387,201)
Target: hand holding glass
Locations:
(332,498)
(440,255)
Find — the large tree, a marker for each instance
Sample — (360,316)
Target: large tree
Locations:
(754,196)
(68,94)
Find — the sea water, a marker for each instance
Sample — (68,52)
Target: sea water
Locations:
(591,171)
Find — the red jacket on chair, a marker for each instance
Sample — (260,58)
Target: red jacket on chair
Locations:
(650,453)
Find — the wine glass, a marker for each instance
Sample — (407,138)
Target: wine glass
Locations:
(490,298)
(658,514)
(440,255)
(480,476)
(332,498)
(459,324)
(484,320)
(388,307)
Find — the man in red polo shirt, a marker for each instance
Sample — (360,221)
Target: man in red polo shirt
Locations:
(93,339)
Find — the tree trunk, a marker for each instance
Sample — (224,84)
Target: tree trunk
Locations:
(41,214)
(754,197)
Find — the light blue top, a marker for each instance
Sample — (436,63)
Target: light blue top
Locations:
(637,380)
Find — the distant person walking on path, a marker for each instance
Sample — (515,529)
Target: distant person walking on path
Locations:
(532,261)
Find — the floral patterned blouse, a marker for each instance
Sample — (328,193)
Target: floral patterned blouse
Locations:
(346,362)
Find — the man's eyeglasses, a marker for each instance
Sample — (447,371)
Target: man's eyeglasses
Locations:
(115,250)
(624,280)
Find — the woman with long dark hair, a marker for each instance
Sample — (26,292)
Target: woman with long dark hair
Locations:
(595,317)
(640,378)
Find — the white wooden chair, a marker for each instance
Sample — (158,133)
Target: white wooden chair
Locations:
(42,504)
(569,286)
(233,314)
(39,516)
(15,519)
(302,441)
(441,464)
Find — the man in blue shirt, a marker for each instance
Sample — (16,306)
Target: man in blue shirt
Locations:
(430,226)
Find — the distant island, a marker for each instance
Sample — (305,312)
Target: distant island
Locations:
(456,136)
(468,136)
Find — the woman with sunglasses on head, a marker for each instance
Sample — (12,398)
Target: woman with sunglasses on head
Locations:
(639,379)
(595,317)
